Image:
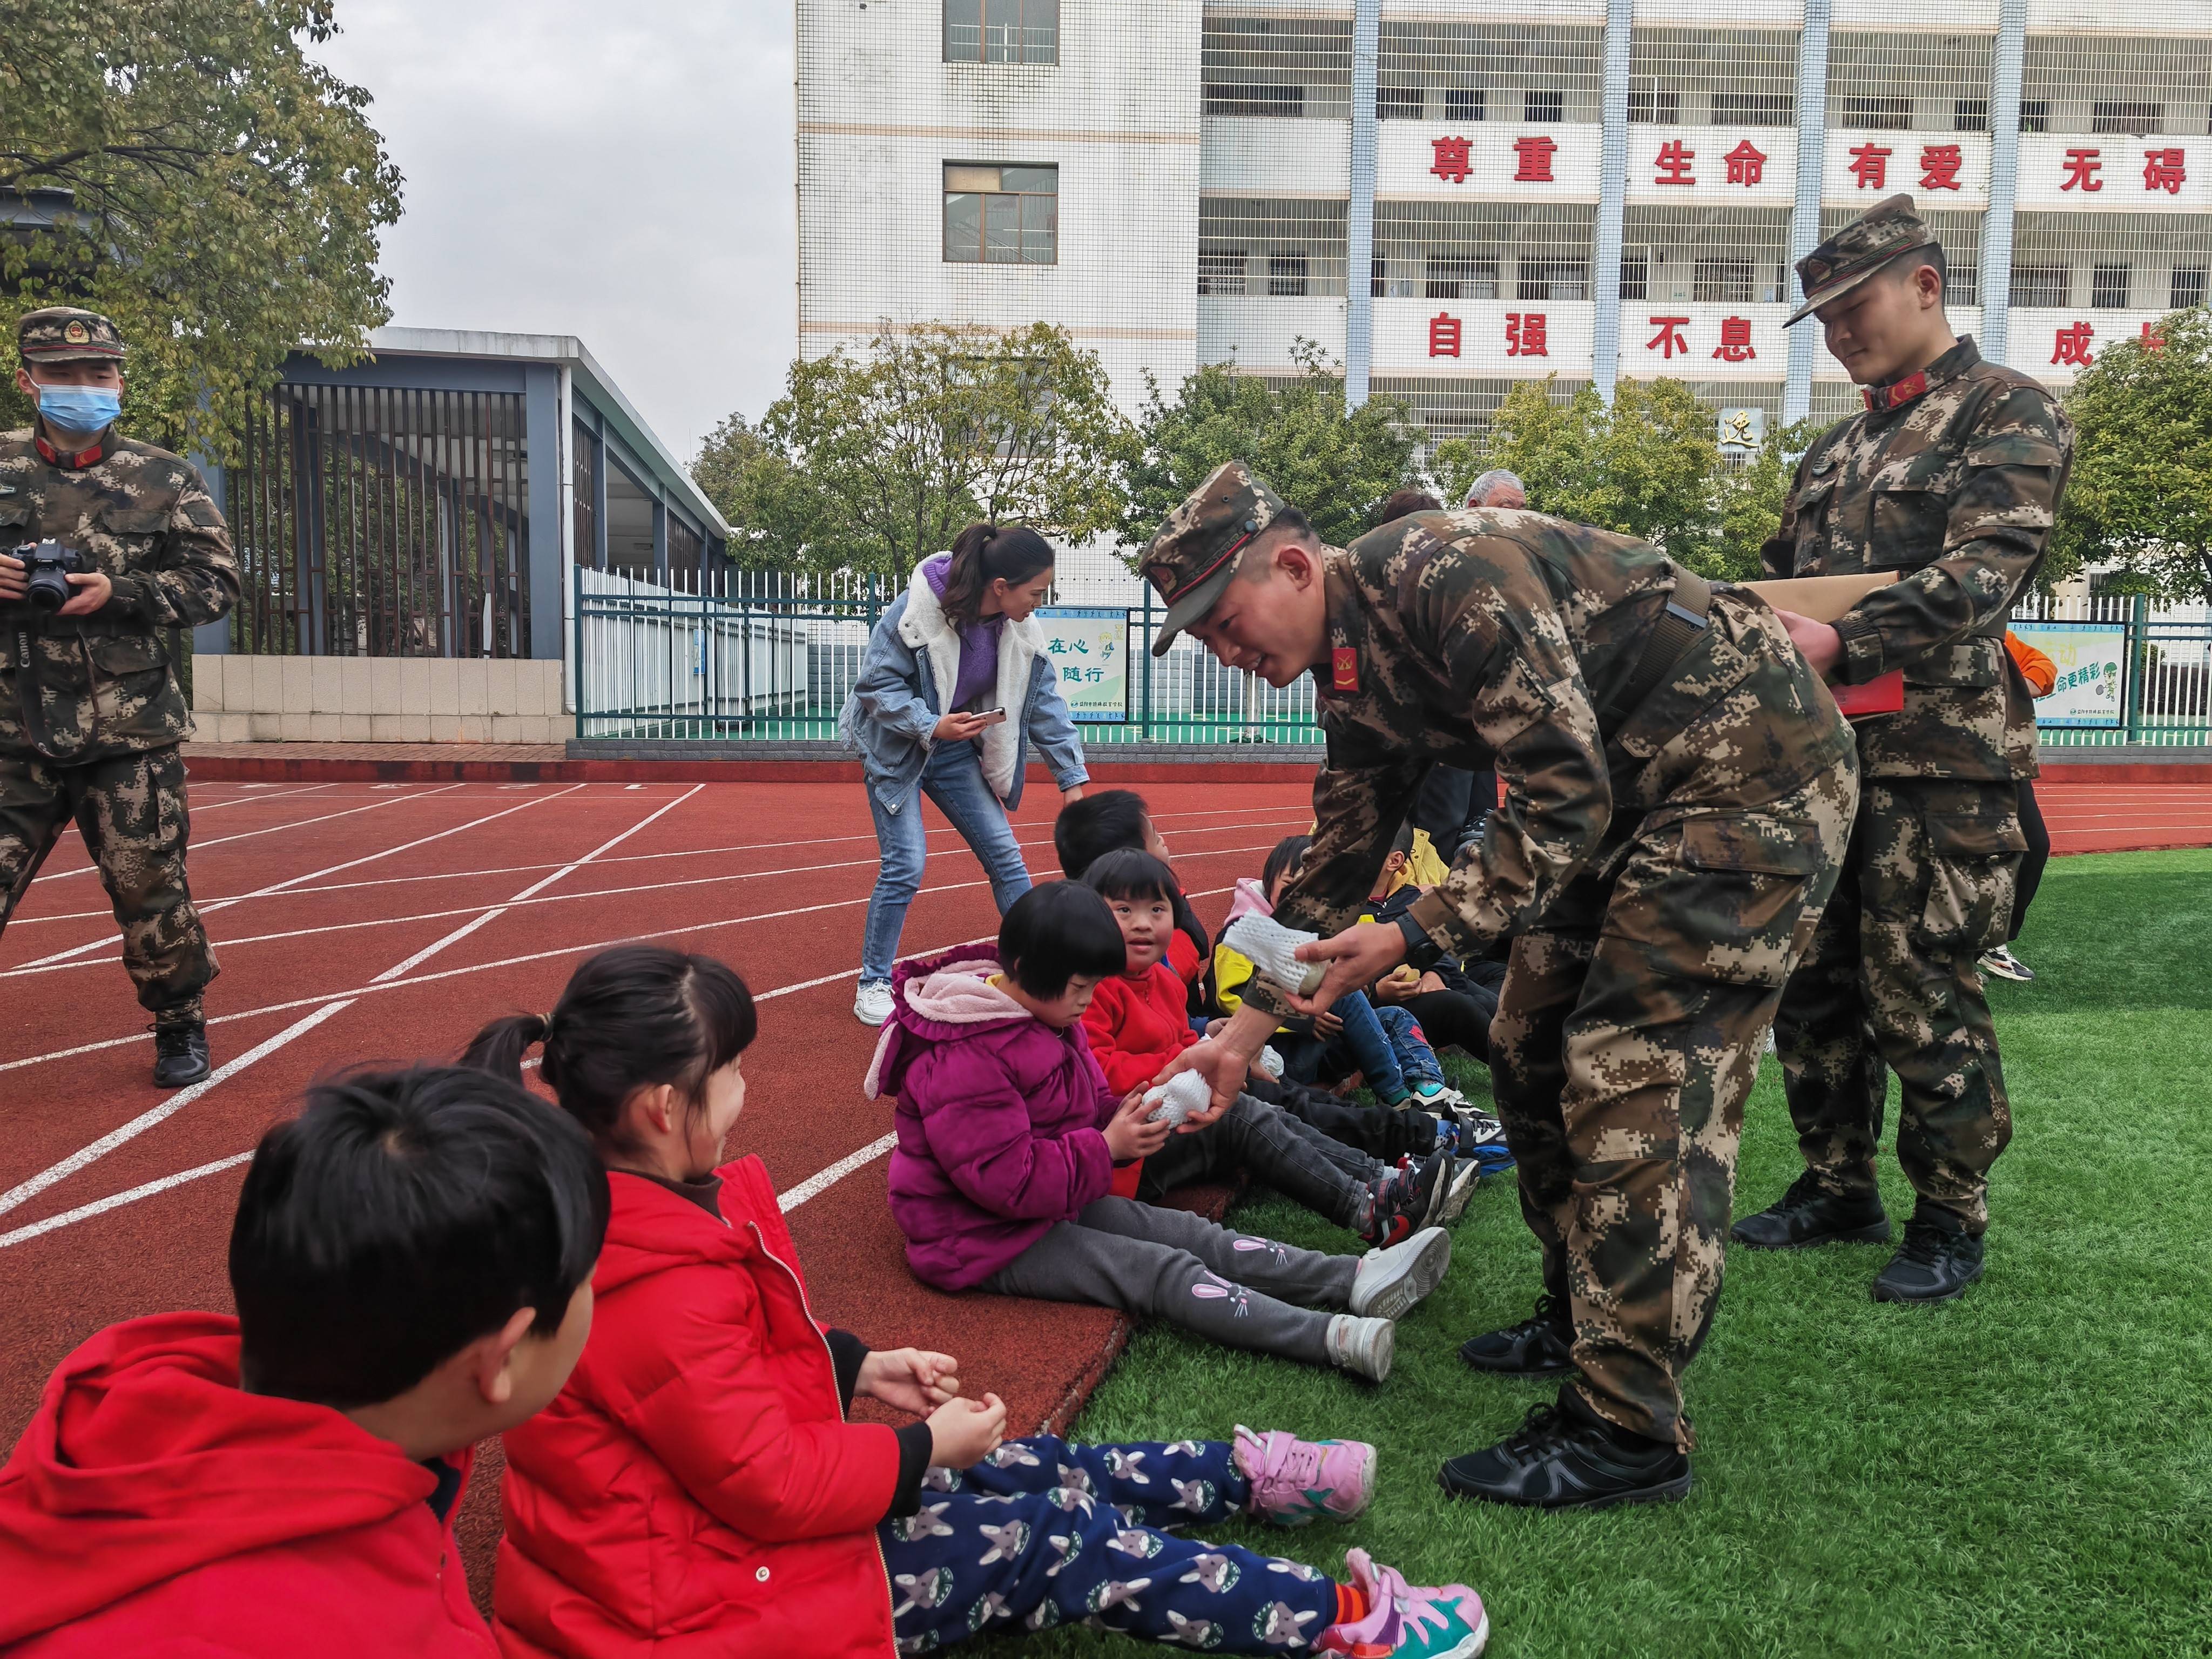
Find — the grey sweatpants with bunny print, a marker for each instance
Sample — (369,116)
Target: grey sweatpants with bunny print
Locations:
(1232,1288)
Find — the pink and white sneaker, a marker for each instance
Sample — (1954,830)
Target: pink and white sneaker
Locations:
(1293,1480)
(1404,1622)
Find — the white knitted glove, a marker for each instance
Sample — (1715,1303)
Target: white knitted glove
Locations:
(1181,1096)
(1270,945)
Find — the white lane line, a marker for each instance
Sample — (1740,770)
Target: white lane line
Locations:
(168,1108)
(86,1211)
(429,950)
(55,965)
(824,1180)
(275,828)
(249,800)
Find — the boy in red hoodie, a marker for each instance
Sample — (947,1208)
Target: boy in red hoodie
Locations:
(1136,1025)
(411,1261)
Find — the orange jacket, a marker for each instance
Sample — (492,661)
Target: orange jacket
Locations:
(2038,670)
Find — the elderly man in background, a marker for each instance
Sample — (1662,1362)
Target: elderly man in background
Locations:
(1496,488)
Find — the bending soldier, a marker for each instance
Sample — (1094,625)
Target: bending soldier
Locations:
(90,710)
(1679,788)
(1950,477)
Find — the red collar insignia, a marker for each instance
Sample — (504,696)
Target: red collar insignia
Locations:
(1897,393)
(73,460)
(1344,669)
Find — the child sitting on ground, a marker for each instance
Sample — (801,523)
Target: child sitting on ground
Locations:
(1008,1139)
(1108,820)
(698,1488)
(411,1263)
(1135,1026)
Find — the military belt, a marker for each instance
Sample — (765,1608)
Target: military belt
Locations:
(1676,630)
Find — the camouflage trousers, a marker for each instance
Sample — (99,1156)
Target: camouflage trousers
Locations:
(1629,1030)
(130,810)
(1927,887)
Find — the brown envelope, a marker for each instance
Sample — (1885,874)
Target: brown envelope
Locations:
(1823,599)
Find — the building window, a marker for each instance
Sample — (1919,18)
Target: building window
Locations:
(1654,107)
(1221,271)
(1878,114)
(1230,99)
(1970,115)
(1001,216)
(2108,116)
(1635,274)
(686,551)
(1464,104)
(1287,277)
(1753,109)
(583,469)
(1002,31)
(1454,278)
(2035,115)
(1543,106)
(1284,67)
(1728,281)
(2038,285)
(1552,279)
(1397,103)
(2108,286)
(2188,287)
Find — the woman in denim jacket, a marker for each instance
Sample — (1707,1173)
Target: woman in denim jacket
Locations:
(954,688)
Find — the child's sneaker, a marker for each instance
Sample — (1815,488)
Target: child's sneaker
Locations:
(1363,1346)
(1407,1200)
(1437,1097)
(1465,1178)
(1478,1136)
(1404,1622)
(1391,1280)
(1293,1480)
(1271,946)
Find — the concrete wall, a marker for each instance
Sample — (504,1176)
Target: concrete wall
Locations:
(378,700)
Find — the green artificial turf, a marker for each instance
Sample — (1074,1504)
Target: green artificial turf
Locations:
(2023,1471)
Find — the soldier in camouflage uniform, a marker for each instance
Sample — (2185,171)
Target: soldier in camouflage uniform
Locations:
(90,710)
(1951,478)
(1679,791)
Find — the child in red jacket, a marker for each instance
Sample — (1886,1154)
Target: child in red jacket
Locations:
(698,1488)
(1136,1025)
(411,1261)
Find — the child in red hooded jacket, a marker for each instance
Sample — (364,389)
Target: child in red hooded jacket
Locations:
(411,1261)
(697,1488)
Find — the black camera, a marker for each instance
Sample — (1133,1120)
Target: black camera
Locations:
(47,567)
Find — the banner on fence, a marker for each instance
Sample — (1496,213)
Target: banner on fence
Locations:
(2088,657)
(1090,649)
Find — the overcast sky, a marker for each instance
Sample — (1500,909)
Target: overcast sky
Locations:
(620,171)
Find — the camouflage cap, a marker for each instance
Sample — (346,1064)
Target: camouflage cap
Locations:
(1882,233)
(59,334)
(1192,554)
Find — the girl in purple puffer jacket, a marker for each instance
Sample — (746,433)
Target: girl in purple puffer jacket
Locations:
(1008,1136)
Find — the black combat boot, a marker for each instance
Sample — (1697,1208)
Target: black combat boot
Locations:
(1809,1214)
(1566,1457)
(181,1053)
(1541,1346)
(1938,1261)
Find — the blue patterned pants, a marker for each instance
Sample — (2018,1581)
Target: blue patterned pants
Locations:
(1044,1533)
(1416,1059)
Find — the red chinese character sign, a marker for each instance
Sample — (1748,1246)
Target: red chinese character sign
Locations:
(1735,341)
(2070,345)
(1940,165)
(1450,164)
(1674,164)
(2165,169)
(1669,340)
(1524,334)
(1745,164)
(1870,166)
(2152,342)
(2081,166)
(1443,335)
(1534,160)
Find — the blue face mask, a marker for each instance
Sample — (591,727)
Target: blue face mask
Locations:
(82,411)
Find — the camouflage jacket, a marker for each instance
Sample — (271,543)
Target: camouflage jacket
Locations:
(1491,638)
(1954,486)
(104,683)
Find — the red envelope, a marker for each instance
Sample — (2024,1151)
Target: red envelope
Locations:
(1882,695)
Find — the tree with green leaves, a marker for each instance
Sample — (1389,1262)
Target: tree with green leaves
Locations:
(1751,498)
(227,194)
(874,460)
(2140,497)
(1334,466)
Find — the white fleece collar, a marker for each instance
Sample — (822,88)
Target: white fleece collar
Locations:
(926,628)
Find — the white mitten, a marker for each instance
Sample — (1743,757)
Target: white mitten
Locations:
(1181,1096)
(1269,1064)
(1270,945)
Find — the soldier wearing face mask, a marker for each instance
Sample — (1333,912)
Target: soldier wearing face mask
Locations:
(91,714)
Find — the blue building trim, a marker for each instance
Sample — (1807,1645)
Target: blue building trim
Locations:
(1805,214)
(1359,217)
(1612,197)
(1995,272)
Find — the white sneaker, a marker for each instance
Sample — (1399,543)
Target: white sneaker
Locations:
(2001,961)
(1271,946)
(1465,1178)
(1394,1279)
(1180,1096)
(1437,1096)
(1363,1346)
(871,1006)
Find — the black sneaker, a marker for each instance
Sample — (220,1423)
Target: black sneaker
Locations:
(1809,1214)
(1540,1347)
(1561,1458)
(1407,1199)
(180,1055)
(1936,1262)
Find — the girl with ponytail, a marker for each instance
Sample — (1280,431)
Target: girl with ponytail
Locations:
(955,692)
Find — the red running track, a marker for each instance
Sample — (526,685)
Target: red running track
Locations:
(361,922)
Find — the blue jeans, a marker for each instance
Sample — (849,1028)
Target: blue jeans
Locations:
(1362,1044)
(1416,1058)
(953,778)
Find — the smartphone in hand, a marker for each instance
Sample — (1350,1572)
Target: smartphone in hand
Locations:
(990,716)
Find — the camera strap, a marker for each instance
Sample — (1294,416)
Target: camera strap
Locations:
(30,682)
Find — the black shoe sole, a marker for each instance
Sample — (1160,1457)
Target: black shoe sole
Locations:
(1874,1232)
(1667,1492)
(1493,1368)
(1883,1293)
(200,1076)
